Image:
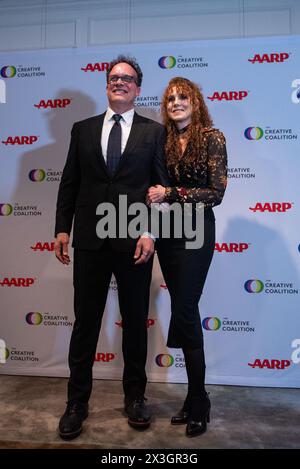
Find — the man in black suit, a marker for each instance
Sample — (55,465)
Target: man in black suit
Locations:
(94,173)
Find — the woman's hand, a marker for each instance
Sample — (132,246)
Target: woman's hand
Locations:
(156,194)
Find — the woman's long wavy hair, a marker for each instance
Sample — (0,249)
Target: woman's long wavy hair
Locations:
(200,119)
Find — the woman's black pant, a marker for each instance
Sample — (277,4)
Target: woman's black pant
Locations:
(185,272)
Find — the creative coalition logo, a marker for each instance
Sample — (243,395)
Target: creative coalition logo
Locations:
(19,210)
(21,140)
(270,287)
(254,286)
(228,95)
(47,319)
(148,101)
(169,61)
(6,210)
(296,92)
(104,357)
(272,207)
(60,103)
(256,133)
(240,173)
(22,355)
(213,323)
(253,133)
(36,175)
(40,175)
(34,319)
(10,71)
(232,247)
(43,246)
(17,281)
(164,360)
(275,57)
(273,364)
(96,67)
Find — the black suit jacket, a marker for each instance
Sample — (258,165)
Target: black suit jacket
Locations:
(86,182)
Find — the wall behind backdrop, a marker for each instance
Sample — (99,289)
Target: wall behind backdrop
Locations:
(250,306)
(35,24)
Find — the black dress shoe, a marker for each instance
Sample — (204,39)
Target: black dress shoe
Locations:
(138,413)
(199,417)
(70,424)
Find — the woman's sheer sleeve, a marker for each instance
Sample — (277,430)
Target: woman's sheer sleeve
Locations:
(211,195)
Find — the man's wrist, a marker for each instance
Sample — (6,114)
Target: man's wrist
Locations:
(146,234)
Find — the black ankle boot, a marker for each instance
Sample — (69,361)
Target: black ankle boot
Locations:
(70,424)
(198,417)
(182,416)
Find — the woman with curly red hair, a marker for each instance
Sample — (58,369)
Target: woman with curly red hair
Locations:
(197,163)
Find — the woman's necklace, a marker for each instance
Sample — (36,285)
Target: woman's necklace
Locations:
(183,130)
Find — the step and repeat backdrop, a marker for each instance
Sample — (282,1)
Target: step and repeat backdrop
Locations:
(250,306)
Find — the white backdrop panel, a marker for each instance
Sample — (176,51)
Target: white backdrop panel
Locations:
(250,305)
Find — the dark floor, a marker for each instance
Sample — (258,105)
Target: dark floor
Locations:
(241,417)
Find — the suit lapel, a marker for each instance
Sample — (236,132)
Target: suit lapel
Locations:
(135,137)
(96,130)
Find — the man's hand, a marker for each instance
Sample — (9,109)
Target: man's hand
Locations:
(61,248)
(144,250)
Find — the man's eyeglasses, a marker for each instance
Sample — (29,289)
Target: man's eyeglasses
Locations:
(124,79)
